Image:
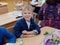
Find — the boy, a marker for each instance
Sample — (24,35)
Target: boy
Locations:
(26,27)
(4,33)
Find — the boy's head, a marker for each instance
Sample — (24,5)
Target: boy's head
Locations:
(27,13)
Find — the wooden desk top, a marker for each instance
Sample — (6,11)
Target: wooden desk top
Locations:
(37,40)
(3,3)
(7,18)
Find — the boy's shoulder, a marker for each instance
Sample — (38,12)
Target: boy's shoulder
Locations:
(21,20)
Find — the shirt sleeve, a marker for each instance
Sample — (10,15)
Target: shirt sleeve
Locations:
(21,36)
(36,31)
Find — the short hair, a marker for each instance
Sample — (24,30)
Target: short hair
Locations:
(30,8)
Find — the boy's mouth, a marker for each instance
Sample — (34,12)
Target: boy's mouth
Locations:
(27,17)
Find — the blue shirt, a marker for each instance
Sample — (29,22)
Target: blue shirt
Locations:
(4,33)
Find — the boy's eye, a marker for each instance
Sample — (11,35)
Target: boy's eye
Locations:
(25,13)
(29,13)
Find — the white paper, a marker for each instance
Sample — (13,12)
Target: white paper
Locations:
(58,44)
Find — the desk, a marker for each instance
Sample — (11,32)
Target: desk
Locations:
(37,40)
(8,20)
(3,7)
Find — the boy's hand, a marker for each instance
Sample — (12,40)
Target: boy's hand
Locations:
(28,33)
(32,33)
(25,32)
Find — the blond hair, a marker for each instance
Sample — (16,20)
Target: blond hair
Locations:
(30,8)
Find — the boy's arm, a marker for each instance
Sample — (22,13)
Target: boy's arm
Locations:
(17,30)
(36,28)
(17,33)
(11,37)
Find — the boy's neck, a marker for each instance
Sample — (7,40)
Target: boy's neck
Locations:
(27,20)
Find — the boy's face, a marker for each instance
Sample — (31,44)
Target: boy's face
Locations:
(27,15)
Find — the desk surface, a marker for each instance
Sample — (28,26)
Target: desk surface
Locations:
(7,18)
(37,40)
(3,3)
